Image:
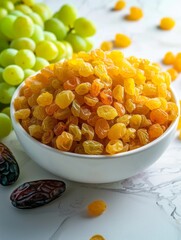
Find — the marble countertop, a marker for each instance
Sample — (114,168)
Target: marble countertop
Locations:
(144,207)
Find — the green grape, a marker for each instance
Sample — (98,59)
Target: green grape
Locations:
(38,34)
(23,43)
(5,125)
(1,74)
(42,10)
(67,14)
(6,111)
(57,27)
(28,72)
(84,27)
(2,36)
(69,49)
(13,75)
(46,8)
(55,15)
(6,26)
(3,12)
(89,45)
(46,49)
(16,13)
(25,58)
(28,27)
(78,43)
(3,44)
(61,51)
(23,8)
(6,93)
(49,36)
(7,5)
(36,19)
(29,2)
(15,1)
(7,56)
(40,63)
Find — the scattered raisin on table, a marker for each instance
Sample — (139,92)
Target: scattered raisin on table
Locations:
(96,208)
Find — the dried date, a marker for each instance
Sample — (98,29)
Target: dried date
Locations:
(9,169)
(37,193)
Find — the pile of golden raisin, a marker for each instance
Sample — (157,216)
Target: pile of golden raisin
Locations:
(97,103)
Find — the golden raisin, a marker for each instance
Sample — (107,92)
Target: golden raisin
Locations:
(96,208)
(129,86)
(172,111)
(93,147)
(59,128)
(177,64)
(47,137)
(167,23)
(155,131)
(173,73)
(64,141)
(96,87)
(75,131)
(90,100)
(106,96)
(129,135)
(130,105)
(118,93)
(119,108)
(45,99)
(168,58)
(107,112)
(20,103)
(22,113)
(158,116)
(87,131)
(135,121)
(39,112)
(122,40)
(86,70)
(114,146)
(106,45)
(102,128)
(117,131)
(124,119)
(97,237)
(48,123)
(153,103)
(119,5)
(64,98)
(143,136)
(135,14)
(35,131)
(83,88)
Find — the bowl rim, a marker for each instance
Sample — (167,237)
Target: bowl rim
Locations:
(101,156)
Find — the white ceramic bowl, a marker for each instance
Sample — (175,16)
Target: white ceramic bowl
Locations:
(92,168)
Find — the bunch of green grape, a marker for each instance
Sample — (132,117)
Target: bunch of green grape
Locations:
(32,37)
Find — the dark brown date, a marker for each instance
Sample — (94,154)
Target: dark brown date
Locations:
(37,193)
(9,169)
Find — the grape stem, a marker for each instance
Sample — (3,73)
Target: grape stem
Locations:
(70,30)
